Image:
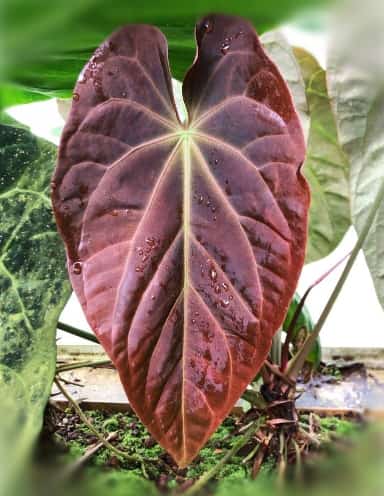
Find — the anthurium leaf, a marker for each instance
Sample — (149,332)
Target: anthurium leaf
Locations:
(356,86)
(184,242)
(326,167)
(44,45)
(303,327)
(34,289)
(281,53)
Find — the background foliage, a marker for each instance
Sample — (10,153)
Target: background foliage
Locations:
(45,44)
(33,290)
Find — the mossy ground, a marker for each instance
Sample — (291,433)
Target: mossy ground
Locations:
(66,439)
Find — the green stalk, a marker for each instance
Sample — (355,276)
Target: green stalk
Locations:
(77,332)
(276,348)
(100,437)
(298,360)
(207,476)
(79,365)
(296,315)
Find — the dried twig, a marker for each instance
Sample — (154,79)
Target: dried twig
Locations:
(72,470)
(105,442)
(78,365)
(70,383)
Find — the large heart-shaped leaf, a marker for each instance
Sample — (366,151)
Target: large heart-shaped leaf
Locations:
(34,289)
(184,242)
(356,85)
(326,167)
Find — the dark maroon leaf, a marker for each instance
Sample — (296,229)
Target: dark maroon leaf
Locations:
(184,242)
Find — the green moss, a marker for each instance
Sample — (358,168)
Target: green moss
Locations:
(338,426)
(76,450)
(133,438)
(111,424)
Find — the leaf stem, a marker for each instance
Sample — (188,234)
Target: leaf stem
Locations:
(276,348)
(77,332)
(298,360)
(74,468)
(83,417)
(296,315)
(79,365)
(207,476)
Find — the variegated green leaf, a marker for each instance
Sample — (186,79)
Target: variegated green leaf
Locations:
(33,291)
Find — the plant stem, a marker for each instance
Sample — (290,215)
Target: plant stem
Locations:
(282,466)
(298,465)
(83,417)
(296,315)
(276,348)
(79,365)
(298,360)
(251,455)
(72,469)
(207,476)
(77,332)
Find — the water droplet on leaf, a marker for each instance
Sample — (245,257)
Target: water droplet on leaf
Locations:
(208,26)
(225,47)
(213,274)
(77,268)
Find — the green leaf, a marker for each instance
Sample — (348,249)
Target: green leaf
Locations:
(326,167)
(356,86)
(34,289)
(282,54)
(303,327)
(45,45)
(14,95)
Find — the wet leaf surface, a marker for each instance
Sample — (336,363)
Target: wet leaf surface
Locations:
(184,242)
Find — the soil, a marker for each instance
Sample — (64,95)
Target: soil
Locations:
(65,439)
(285,447)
